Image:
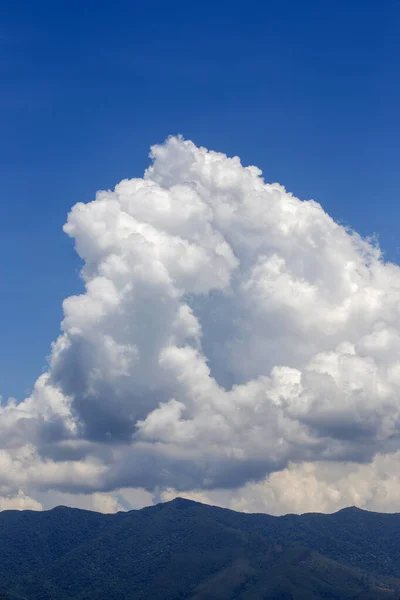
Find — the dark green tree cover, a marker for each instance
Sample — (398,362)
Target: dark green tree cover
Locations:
(185,550)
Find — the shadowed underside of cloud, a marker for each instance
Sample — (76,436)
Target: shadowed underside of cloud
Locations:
(233,343)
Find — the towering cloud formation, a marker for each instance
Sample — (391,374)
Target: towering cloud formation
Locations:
(227,330)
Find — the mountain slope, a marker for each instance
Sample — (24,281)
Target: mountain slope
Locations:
(183,549)
(30,540)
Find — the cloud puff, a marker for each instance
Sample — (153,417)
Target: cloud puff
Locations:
(312,487)
(227,330)
(20,502)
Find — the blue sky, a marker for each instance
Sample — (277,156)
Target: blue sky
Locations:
(308,91)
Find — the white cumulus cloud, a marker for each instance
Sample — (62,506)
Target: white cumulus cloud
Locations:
(231,337)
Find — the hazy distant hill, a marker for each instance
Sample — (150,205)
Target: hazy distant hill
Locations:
(182,549)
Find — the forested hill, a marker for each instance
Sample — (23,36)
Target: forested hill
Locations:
(186,550)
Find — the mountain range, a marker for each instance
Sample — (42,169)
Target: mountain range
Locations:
(187,550)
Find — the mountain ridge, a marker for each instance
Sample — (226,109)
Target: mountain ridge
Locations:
(188,550)
(189,501)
